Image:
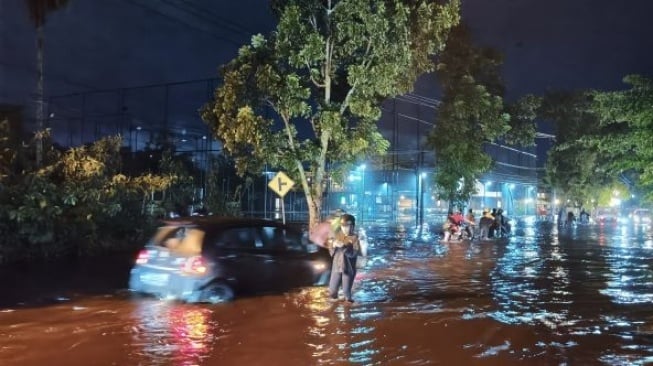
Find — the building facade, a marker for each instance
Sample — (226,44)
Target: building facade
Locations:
(397,189)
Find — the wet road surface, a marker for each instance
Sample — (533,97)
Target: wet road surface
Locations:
(581,296)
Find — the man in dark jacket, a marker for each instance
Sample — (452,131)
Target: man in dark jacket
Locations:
(499,224)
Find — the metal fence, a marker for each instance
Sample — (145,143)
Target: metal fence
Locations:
(397,189)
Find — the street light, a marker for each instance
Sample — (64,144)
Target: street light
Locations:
(138,129)
(615,201)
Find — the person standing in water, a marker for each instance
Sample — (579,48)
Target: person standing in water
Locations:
(344,247)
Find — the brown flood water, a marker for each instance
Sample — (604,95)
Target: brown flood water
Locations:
(582,296)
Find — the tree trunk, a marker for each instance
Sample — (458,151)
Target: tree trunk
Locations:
(39,113)
(314,210)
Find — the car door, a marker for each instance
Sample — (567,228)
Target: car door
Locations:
(238,255)
(290,261)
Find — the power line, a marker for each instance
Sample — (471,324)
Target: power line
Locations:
(420,100)
(181,22)
(224,22)
(543,135)
(517,166)
(512,149)
(48,76)
(416,119)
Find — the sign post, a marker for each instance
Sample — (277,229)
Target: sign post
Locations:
(281,184)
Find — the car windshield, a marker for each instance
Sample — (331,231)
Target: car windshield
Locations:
(179,239)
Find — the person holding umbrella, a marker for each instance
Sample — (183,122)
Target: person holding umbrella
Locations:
(344,247)
(322,232)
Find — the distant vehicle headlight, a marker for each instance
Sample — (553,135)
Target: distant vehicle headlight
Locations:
(319,266)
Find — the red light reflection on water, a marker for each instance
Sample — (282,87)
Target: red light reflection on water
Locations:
(172,331)
(189,329)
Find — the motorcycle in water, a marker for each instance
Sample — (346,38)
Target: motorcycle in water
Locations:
(457,232)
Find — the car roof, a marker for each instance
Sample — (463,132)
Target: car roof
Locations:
(222,221)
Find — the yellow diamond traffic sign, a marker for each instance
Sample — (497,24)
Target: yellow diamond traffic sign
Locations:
(281,184)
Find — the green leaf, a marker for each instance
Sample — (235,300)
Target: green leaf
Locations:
(311,91)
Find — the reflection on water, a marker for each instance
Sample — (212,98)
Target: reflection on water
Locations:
(562,296)
(557,281)
(629,278)
(528,285)
(337,332)
(173,333)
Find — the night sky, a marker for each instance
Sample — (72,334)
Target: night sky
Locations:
(565,44)
(105,44)
(553,44)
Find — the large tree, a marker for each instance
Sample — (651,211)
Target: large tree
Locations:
(523,114)
(471,113)
(322,74)
(573,167)
(624,142)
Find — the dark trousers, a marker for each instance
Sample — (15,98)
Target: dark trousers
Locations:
(338,278)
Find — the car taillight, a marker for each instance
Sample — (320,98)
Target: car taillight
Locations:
(143,256)
(195,265)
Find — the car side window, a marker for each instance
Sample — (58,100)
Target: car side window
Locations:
(280,239)
(236,238)
(272,238)
(294,240)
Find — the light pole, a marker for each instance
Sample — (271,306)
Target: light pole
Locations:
(511,207)
(362,201)
(421,200)
(138,130)
(135,148)
(485,185)
(532,200)
(417,185)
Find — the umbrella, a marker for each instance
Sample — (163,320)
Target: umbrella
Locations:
(320,233)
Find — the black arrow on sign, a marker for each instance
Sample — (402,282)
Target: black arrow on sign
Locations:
(281,184)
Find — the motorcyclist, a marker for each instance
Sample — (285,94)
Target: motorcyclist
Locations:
(452,225)
(499,224)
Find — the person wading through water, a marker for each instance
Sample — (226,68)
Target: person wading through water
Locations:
(344,247)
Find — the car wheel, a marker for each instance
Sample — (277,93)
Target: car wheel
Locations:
(217,292)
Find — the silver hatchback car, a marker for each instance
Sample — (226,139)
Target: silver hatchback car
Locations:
(212,259)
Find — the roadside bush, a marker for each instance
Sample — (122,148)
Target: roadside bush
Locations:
(76,204)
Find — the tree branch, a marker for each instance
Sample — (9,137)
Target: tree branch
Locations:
(366,65)
(310,75)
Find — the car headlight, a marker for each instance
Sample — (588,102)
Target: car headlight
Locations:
(319,266)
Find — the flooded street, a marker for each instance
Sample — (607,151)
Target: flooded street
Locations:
(582,296)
